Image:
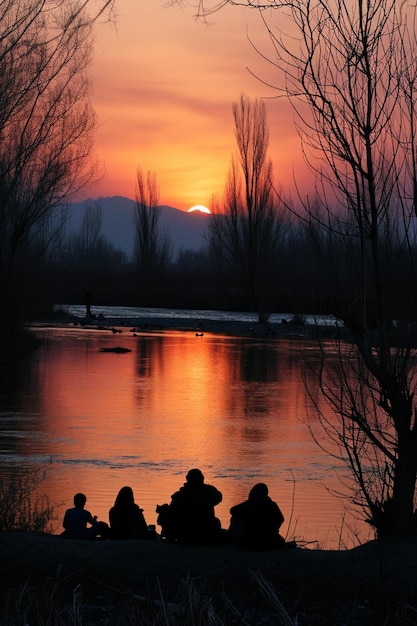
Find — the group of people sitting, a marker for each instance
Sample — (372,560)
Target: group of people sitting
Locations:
(188,519)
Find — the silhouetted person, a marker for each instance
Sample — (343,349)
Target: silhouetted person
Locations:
(126,518)
(190,517)
(255,523)
(76,522)
(88,305)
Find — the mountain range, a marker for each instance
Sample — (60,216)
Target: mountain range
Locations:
(187,231)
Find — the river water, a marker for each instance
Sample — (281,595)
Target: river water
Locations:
(237,408)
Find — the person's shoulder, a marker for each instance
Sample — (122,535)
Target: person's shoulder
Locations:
(86,515)
(274,509)
(237,508)
(273,503)
(212,493)
(209,487)
(216,491)
(70,512)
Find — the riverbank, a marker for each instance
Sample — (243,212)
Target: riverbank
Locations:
(110,582)
(287,327)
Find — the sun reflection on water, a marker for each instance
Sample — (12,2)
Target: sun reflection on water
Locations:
(236,408)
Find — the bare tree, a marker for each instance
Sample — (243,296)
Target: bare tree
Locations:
(366,137)
(90,230)
(46,126)
(357,71)
(244,228)
(90,258)
(88,245)
(152,247)
(351,73)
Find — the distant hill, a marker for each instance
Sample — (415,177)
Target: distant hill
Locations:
(186,230)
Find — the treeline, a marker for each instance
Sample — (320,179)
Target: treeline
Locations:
(191,279)
(299,279)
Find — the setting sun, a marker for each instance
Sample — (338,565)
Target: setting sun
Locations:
(199,207)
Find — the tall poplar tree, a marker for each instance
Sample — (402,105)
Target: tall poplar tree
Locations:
(244,228)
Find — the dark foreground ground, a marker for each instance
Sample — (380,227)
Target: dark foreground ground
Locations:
(146,582)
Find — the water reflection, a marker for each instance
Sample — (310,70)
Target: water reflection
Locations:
(237,408)
(258,366)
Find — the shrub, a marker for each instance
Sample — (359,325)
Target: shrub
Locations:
(21,508)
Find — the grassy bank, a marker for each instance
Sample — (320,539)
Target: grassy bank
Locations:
(144,582)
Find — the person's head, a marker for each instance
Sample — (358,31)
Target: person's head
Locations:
(79,500)
(258,492)
(125,497)
(195,477)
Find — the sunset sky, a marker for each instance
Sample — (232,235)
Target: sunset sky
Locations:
(164,85)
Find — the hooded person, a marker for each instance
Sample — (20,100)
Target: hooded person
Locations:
(190,517)
(255,523)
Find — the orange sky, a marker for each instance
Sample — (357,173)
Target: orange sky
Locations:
(164,85)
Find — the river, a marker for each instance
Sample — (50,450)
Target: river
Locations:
(237,408)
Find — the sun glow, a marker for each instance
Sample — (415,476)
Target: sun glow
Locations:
(200,208)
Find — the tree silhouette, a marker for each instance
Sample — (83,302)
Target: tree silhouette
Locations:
(350,71)
(152,247)
(46,131)
(244,228)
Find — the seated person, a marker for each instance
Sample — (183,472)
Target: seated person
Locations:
(126,518)
(190,516)
(76,520)
(255,523)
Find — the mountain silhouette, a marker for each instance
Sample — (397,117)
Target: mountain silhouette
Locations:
(186,230)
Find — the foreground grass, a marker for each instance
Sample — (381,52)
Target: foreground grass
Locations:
(49,605)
